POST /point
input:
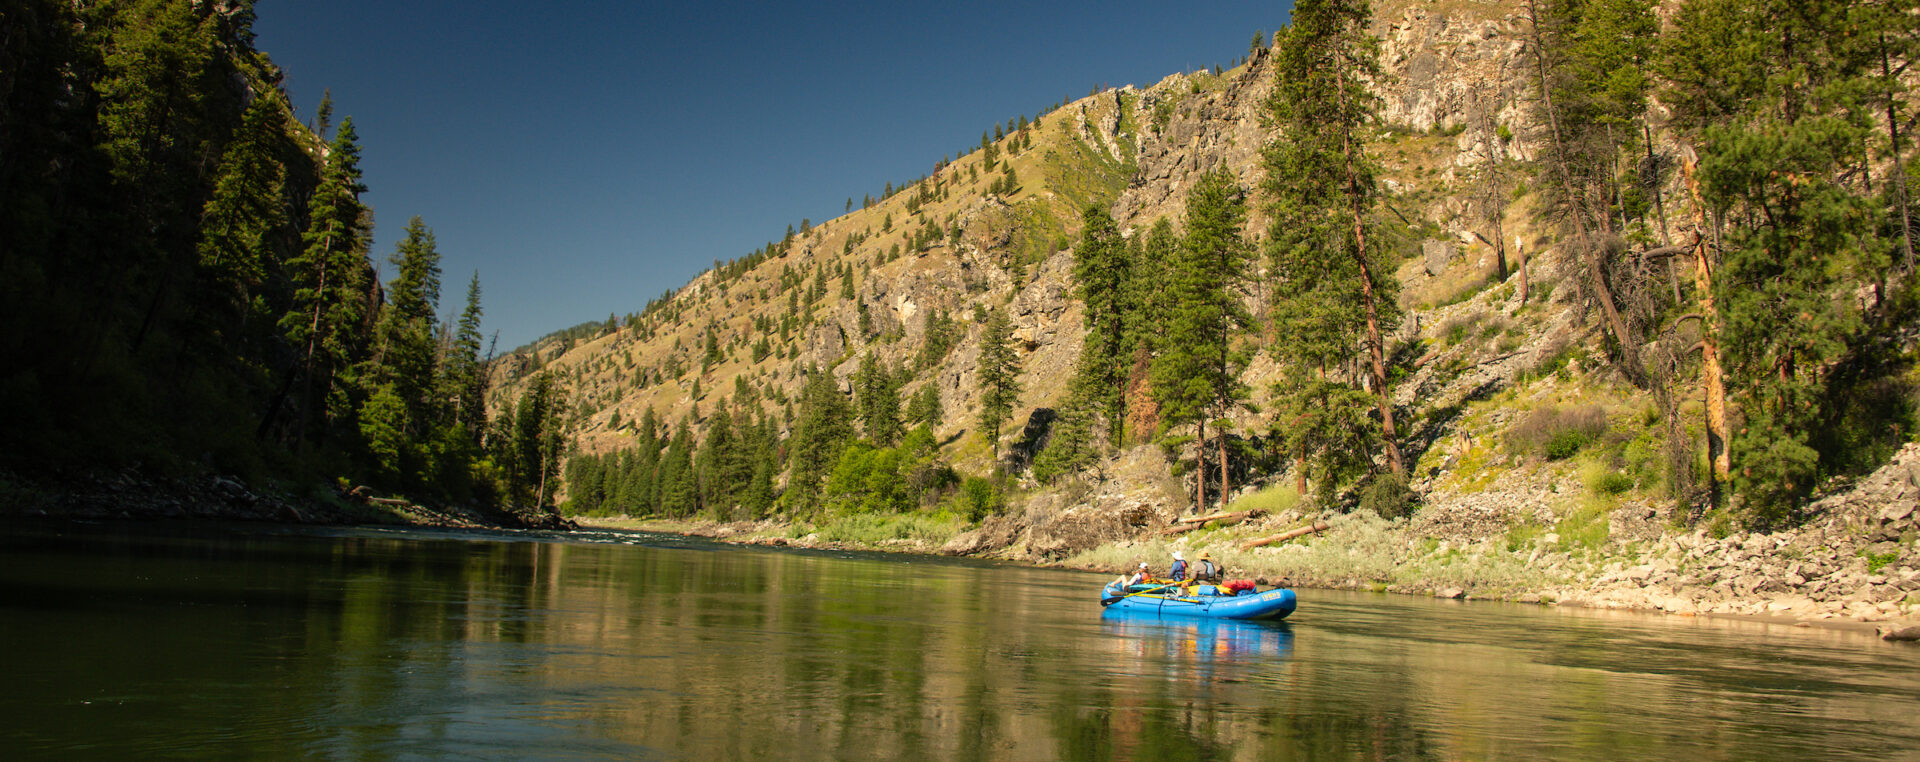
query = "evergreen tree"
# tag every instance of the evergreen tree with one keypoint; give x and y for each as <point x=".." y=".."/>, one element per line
<point x="1780" y="127"/>
<point x="406" y="359"/>
<point x="1150" y="271"/>
<point x="878" y="394"/>
<point x="1101" y="267"/>
<point x="1323" y="182"/>
<point x="463" y="377"/>
<point x="925" y="409"/>
<point x="415" y="290"/>
<point x="323" y="116"/>
<point x="679" y="494"/>
<point x="330" y="277"/>
<point x="537" y="441"/>
<point x="1582" y="146"/>
<point x="241" y="223"/>
<point x="715" y="462"/>
<point x="821" y="431"/>
<point x="1196" y="378"/>
<point x="998" y="375"/>
<point x="757" y="498"/>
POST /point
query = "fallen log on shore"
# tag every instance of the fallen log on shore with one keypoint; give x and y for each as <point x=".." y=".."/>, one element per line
<point x="1235" y="515"/>
<point x="1186" y="524"/>
<point x="1317" y="526"/>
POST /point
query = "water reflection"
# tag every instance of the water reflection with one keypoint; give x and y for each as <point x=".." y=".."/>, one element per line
<point x="377" y="644"/>
<point x="1196" y="640"/>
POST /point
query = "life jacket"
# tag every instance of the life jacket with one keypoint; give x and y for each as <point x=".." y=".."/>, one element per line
<point x="1179" y="571"/>
<point x="1207" y="571"/>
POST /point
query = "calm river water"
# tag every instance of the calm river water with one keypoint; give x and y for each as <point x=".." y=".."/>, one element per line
<point x="146" y="641"/>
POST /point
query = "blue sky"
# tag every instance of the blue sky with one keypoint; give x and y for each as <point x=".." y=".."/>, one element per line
<point x="585" y="157"/>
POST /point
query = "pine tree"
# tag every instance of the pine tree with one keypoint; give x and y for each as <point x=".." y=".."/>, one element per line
<point x="1150" y="271"/>
<point x="463" y="379"/>
<point x="717" y="484"/>
<point x="878" y="395"/>
<point x="1324" y="184"/>
<point x="925" y="409"/>
<point x="406" y="358"/>
<point x="323" y="116"/>
<point x="821" y="431"/>
<point x="247" y="213"/>
<point x="1101" y="267"/>
<point x="679" y="494"/>
<point x="536" y="443"/>
<point x="330" y="276"/>
<point x="1777" y="126"/>
<point x="998" y="375"/>
<point x="1196" y="378"/>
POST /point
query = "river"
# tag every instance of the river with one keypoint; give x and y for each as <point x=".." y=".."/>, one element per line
<point x="183" y="640"/>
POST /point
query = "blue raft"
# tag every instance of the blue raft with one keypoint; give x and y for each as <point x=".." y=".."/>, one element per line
<point x="1167" y="600"/>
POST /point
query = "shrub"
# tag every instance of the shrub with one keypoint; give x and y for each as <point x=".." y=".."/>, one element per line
<point x="1273" y="498"/>
<point x="1556" y="433"/>
<point x="1387" y="496"/>
<point x="978" y="497"/>
<point x="1604" y="481"/>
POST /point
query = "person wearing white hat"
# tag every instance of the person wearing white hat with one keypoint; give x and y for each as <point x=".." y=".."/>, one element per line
<point x="1140" y="576"/>
<point x="1179" y="570"/>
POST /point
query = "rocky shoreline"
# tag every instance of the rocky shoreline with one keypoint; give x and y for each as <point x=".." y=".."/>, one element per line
<point x="1853" y="562"/>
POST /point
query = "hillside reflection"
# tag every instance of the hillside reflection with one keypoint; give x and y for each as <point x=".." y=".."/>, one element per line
<point x="370" y="644"/>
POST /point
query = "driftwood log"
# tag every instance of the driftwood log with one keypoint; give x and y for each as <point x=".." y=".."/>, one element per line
<point x="1317" y="526"/>
<point x="1186" y="524"/>
<point x="1234" y="515"/>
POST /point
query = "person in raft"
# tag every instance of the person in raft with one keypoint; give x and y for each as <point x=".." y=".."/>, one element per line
<point x="1207" y="571"/>
<point x="1179" y="571"/>
<point x="1140" y="576"/>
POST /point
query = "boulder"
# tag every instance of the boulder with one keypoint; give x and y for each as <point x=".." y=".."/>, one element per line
<point x="1450" y="592"/>
<point x="1903" y="631"/>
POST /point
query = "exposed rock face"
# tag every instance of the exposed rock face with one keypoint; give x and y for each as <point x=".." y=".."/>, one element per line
<point x="1449" y="71"/>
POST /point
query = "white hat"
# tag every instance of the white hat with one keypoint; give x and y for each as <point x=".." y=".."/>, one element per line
<point x="1143" y="564"/>
<point x="1178" y="557"/>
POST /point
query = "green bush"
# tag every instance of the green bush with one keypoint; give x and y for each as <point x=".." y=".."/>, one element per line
<point x="1557" y="433"/>
<point x="1387" y="496"/>
<point x="979" y="498"/>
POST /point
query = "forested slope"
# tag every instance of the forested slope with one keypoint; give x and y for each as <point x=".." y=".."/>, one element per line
<point x="1381" y="261"/>
<point x="186" y="279"/>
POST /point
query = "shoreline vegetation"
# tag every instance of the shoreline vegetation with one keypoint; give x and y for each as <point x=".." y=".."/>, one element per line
<point x="1840" y="568"/>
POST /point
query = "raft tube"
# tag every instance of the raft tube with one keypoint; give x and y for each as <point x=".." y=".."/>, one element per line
<point x="1167" y="601"/>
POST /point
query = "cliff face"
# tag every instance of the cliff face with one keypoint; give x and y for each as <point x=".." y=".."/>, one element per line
<point x="1453" y="79"/>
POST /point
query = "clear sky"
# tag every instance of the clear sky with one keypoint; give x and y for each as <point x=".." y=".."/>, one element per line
<point x="585" y="157"/>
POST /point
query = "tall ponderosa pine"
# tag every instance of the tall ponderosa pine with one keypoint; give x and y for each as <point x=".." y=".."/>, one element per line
<point x="998" y="375"/>
<point x="821" y="431"/>
<point x="1321" y="178"/>
<point x="1587" y="58"/>
<point x="1781" y="107"/>
<point x="1196" y="378"/>
<point x="1102" y="269"/>
<point x="878" y="394"/>
<point x="247" y="216"/>
<point x="406" y="357"/>
<point x="535" y="444"/>
<point x="330" y="278"/>
<point x="463" y="377"/>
